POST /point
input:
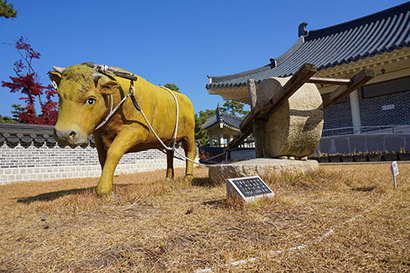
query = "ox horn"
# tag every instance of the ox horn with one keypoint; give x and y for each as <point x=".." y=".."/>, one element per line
<point x="97" y="76"/>
<point x="59" y="69"/>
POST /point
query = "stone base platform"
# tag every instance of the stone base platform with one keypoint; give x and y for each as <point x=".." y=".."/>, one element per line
<point x="261" y="167"/>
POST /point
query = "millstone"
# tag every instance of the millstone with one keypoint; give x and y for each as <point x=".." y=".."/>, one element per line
<point x="296" y="127"/>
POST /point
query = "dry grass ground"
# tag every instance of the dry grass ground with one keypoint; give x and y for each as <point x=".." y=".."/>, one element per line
<point x="152" y="225"/>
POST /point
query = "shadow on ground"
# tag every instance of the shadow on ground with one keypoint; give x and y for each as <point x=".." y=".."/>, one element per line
<point x="202" y="182"/>
<point x="364" y="189"/>
<point x="50" y="196"/>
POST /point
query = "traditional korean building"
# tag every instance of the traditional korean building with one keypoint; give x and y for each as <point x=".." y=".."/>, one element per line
<point x="221" y="127"/>
<point x="379" y="41"/>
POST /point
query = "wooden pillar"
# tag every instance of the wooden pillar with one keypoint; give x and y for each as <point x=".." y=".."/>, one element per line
<point x="355" y="110"/>
<point x="256" y="124"/>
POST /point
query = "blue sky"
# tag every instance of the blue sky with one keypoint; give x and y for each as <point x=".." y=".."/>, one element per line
<point x="177" y="42"/>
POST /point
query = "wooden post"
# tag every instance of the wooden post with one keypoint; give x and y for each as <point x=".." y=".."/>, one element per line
<point x="252" y="92"/>
<point x="256" y="124"/>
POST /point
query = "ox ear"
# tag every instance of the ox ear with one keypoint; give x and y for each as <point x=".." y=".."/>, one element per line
<point x="108" y="87"/>
<point x="55" y="77"/>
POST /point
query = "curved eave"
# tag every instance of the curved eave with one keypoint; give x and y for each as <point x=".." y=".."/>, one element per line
<point x="224" y="125"/>
<point x="223" y="81"/>
<point x="346" y="43"/>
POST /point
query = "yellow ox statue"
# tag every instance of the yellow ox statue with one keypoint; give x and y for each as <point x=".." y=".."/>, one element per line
<point x="87" y="98"/>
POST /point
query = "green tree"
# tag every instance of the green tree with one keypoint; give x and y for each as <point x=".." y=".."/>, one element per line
<point x="16" y="112"/>
<point x="15" y="118"/>
<point x="7" y="10"/>
<point x="200" y="133"/>
<point x="172" y="86"/>
<point x="234" y="107"/>
<point x="7" y="119"/>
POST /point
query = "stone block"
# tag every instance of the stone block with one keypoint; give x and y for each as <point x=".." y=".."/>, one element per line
<point x="261" y="167"/>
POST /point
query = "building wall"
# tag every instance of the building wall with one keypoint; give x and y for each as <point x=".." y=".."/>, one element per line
<point x="46" y="161"/>
<point x="393" y="109"/>
<point x="389" y="109"/>
<point x="338" y="116"/>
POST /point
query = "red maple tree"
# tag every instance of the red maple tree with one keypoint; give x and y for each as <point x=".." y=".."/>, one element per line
<point x="26" y="82"/>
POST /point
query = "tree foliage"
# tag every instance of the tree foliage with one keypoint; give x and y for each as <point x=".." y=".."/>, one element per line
<point x="200" y="133"/>
<point x="7" y="10"/>
<point x="26" y="82"/>
<point x="172" y="86"/>
<point x="234" y="107"/>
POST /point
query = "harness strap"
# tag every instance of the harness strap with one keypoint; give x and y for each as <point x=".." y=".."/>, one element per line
<point x="113" y="110"/>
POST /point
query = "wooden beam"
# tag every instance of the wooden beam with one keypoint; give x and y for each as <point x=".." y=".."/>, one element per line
<point x="252" y="92"/>
<point x="256" y="125"/>
<point x="304" y="73"/>
<point x="329" y="81"/>
<point x="356" y="82"/>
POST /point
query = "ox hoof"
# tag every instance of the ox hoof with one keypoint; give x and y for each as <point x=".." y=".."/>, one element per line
<point x="189" y="177"/>
<point x="103" y="191"/>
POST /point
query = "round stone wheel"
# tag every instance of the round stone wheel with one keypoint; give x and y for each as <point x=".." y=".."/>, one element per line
<point x="295" y="128"/>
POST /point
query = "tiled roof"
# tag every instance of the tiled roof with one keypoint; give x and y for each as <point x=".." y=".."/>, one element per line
<point x="220" y="116"/>
<point x="374" y="34"/>
<point x="14" y="133"/>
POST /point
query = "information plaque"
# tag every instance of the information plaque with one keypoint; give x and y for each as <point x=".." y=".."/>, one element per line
<point x="248" y="188"/>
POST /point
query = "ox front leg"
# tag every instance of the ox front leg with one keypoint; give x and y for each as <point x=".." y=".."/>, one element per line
<point x="170" y="165"/>
<point x="118" y="148"/>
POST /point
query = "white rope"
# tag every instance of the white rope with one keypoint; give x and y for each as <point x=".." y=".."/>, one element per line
<point x="54" y="84"/>
<point x="177" y="117"/>
<point x="107" y="69"/>
<point x="112" y="110"/>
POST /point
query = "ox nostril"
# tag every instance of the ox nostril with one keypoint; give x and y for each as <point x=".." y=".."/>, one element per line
<point x="72" y="134"/>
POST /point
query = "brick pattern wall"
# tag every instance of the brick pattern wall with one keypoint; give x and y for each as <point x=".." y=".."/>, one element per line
<point x="40" y="162"/>
<point x="371" y="112"/>
<point x="338" y="116"/>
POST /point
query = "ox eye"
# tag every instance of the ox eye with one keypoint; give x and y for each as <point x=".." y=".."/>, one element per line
<point x="90" y="101"/>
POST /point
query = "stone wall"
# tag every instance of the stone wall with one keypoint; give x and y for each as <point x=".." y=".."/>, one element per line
<point x="32" y="155"/>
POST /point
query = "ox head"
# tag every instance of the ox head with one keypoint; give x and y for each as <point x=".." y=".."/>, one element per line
<point x="83" y="102"/>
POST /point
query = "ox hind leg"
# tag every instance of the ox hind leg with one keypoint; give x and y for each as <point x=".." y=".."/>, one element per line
<point x="190" y="152"/>
<point x="170" y="165"/>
